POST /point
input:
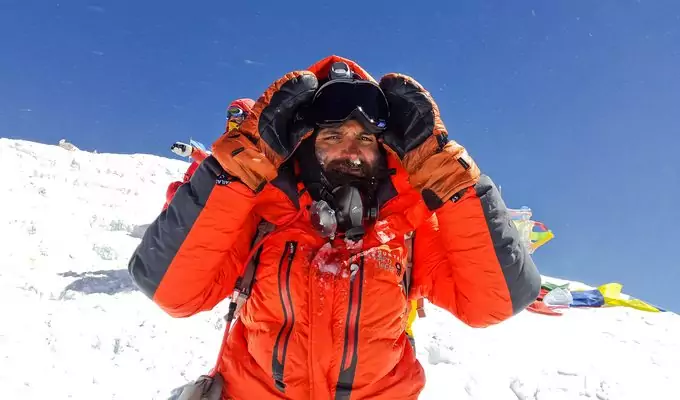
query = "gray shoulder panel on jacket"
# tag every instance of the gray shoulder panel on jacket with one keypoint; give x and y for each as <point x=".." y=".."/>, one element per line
<point x="521" y="275"/>
<point x="164" y="236"/>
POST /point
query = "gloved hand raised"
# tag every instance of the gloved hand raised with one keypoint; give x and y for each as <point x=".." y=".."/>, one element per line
<point x="438" y="167"/>
<point x="182" y="149"/>
<point x="270" y="133"/>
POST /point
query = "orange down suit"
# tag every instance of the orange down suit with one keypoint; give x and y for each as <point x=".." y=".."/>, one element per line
<point x="330" y="328"/>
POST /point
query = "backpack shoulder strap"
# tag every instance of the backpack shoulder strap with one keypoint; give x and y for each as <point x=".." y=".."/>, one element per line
<point x="244" y="284"/>
<point x="243" y="287"/>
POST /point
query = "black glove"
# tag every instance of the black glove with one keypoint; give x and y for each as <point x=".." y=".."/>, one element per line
<point x="270" y="133"/>
<point x="438" y="167"/>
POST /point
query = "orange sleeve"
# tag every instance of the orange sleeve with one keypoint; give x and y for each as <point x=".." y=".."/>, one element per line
<point x="469" y="260"/>
<point x="198" y="155"/>
<point x="191" y="255"/>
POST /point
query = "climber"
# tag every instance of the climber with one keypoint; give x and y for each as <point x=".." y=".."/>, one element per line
<point x="337" y="202"/>
<point x="236" y="113"/>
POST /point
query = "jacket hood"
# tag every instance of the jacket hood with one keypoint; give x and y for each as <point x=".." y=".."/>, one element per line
<point x="273" y="125"/>
<point x="245" y="104"/>
<point x="273" y="130"/>
<point x="322" y="68"/>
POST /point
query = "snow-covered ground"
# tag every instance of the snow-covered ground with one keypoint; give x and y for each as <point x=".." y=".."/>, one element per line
<point x="74" y="327"/>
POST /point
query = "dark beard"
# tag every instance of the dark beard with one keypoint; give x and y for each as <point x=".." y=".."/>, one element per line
<point x="364" y="177"/>
<point x="346" y="167"/>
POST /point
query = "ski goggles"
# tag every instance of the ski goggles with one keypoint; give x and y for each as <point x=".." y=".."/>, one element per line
<point x="340" y="100"/>
<point x="235" y="113"/>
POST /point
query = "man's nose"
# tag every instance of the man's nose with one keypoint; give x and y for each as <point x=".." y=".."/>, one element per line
<point x="352" y="148"/>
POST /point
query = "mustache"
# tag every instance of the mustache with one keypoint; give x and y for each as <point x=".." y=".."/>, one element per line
<point x="360" y="167"/>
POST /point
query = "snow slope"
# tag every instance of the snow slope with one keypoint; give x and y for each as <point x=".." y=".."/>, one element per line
<point x="74" y="326"/>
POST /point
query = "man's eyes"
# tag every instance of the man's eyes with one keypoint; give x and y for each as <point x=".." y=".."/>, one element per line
<point x="366" y="138"/>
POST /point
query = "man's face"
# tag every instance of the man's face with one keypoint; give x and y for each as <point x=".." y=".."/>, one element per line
<point x="234" y="123"/>
<point x="348" y="149"/>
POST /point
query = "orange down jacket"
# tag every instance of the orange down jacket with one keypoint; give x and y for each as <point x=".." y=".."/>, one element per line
<point x="330" y="326"/>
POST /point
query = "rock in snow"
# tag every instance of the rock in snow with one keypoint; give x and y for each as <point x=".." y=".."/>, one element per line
<point x="75" y="327"/>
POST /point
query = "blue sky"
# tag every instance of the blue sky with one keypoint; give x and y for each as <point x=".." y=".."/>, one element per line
<point x="572" y="106"/>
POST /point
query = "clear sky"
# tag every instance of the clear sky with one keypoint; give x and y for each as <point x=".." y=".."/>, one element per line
<point x="572" y="106"/>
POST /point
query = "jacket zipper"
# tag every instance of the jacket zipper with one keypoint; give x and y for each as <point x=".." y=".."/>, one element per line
<point x="350" y="349"/>
<point x="281" y="345"/>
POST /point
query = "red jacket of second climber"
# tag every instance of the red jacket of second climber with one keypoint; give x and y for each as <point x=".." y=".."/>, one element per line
<point x="198" y="155"/>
